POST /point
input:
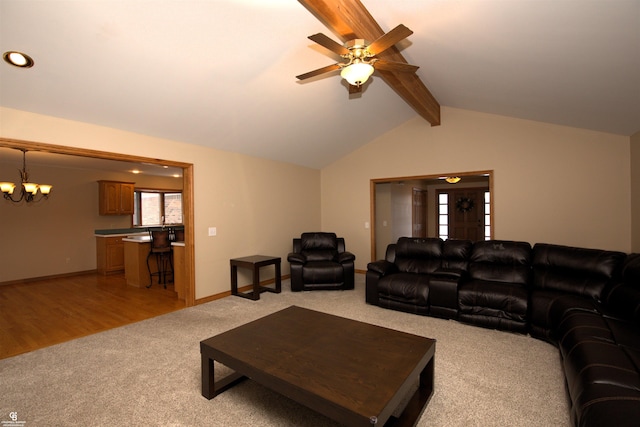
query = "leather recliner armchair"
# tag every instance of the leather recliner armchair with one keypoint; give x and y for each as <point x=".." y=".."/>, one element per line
<point x="320" y="261"/>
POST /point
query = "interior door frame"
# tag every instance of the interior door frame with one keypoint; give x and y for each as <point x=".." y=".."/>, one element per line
<point x="187" y="192"/>
<point x="372" y="197"/>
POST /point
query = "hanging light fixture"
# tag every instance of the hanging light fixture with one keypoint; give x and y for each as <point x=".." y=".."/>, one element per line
<point x="357" y="73"/>
<point x="453" y="179"/>
<point x="28" y="190"/>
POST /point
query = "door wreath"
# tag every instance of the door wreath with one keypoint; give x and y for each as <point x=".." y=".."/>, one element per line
<point x="464" y="204"/>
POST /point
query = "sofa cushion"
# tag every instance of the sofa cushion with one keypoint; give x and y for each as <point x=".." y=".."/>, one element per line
<point x="594" y="361"/>
<point x="501" y="261"/>
<point x="315" y="241"/>
<point x="455" y="254"/>
<point x="418" y="255"/>
<point x="575" y="270"/>
<point x="493" y="299"/>
<point x="623" y="299"/>
<point x="322" y="272"/>
<point x="579" y="326"/>
<point x="625" y="333"/>
<point x="606" y="405"/>
<point x="634" y="355"/>
<point x="320" y="255"/>
<point x="405" y="287"/>
<point x="548" y="307"/>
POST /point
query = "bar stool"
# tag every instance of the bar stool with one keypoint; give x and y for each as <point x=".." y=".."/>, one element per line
<point x="161" y="248"/>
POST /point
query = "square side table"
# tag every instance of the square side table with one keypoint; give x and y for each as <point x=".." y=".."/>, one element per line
<point x="254" y="263"/>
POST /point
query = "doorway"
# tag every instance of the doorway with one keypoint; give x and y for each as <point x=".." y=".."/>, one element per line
<point x="187" y="192"/>
<point x="396" y="210"/>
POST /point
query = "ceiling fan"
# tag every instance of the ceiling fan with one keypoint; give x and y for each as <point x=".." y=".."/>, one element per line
<point x="360" y="56"/>
<point x="350" y="19"/>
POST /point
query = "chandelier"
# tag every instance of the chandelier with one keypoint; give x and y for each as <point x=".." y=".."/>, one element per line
<point x="28" y="190"/>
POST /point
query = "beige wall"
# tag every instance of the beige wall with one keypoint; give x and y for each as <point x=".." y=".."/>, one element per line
<point x="635" y="192"/>
<point x="257" y="205"/>
<point x="552" y="184"/>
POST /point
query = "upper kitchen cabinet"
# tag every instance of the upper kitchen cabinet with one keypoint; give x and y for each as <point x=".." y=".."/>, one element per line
<point x="116" y="198"/>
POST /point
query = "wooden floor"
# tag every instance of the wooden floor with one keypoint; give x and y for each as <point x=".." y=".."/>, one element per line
<point x="39" y="314"/>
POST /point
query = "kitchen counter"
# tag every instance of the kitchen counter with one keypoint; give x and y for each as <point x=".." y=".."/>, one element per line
<point x="142" y="238"/>
<point x="120" y="231"/>
<point x="136" y="251"/>
<point x="132" y="231"/>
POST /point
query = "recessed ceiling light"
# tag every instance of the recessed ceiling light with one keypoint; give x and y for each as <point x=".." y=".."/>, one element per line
<point x="18" y="59"/>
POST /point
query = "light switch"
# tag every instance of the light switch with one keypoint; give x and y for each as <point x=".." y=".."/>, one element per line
<point x="366" y="224"/>
<point x="213" y="231"/>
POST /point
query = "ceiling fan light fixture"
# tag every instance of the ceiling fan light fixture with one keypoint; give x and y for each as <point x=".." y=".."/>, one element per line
<point x="357" y="73"/>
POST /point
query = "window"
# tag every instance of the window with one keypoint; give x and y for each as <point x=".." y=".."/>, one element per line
<point x="443" y="216"/>
<point x="487" y="215"/>
<point x="156" y="207"/>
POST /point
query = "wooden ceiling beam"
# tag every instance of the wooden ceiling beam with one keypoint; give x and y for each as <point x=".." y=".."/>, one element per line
<point x="349" y="20"/>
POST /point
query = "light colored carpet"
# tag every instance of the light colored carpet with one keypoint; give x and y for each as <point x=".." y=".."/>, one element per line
<point x="148" y="373"/>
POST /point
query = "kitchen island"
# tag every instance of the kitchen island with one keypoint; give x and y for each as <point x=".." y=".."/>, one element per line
<point x="136" y="251"/>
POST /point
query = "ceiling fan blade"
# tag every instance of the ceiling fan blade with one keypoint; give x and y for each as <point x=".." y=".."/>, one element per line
<point x="402" y="67"/>
<point x="355" y="89"/>
<point x="330" y="44"/>
<point x="387" y="40"/>
<point x="319" y="71"/>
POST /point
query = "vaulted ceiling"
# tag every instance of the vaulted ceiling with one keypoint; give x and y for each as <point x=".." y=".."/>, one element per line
<point x="221" y="73"/>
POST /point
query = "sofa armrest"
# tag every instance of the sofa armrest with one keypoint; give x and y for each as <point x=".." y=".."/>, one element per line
<point x="296" y="258"/>
<point x="448" y="273"/>
<point x="346" y="257"/>
<point x="382" y="267"/>
<point x="443" y="292"/>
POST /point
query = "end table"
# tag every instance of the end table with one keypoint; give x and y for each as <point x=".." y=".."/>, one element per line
<point x="254" y="263"/>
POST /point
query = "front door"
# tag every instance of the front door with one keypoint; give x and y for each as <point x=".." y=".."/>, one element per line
<point x="466" y="214"/>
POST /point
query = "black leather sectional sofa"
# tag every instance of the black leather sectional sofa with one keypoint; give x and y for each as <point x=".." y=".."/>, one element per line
<point x="584" y="301"/>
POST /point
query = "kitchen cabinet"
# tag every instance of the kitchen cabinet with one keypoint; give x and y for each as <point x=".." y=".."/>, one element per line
<point x="110" y="254"/>
<point x="115" y="198"/>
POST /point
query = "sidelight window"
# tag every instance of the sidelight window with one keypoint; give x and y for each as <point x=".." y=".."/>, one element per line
<point x="487" y="215"/>
<point x="443" y="216"/>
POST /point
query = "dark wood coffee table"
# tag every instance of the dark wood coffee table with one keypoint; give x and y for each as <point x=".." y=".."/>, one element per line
<point x="350" y="371"/>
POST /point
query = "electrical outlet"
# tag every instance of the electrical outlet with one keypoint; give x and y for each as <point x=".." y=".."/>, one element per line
<point x="213" y="231"/>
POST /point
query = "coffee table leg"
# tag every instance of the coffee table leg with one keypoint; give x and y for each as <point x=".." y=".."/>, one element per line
<point x="278" y="281"/>
<point x="234" y="279"/>
<point x="212" y="388"/>
<point x="208" y="388"/>
<point x="256" y="282"/>
<point x="419" y="400"/>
